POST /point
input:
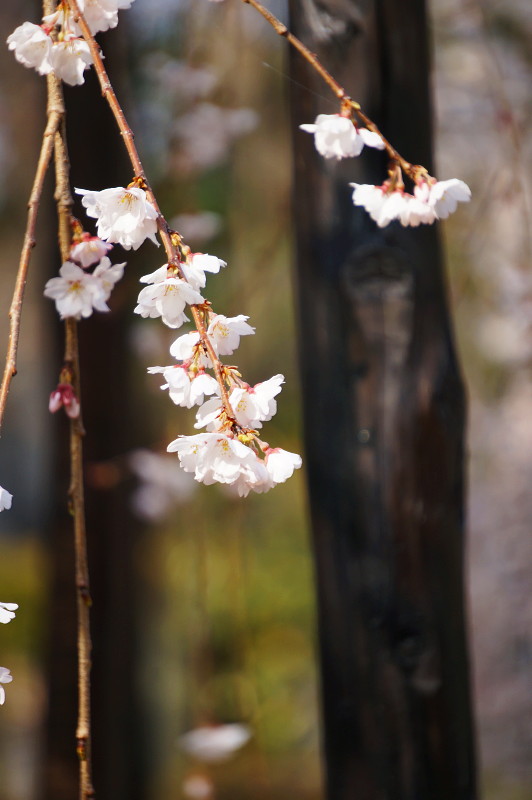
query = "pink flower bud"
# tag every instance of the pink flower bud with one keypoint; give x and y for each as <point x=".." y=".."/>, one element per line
<point x="64" y="395"/>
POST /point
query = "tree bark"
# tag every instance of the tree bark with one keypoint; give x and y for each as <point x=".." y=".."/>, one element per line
<point x="384" y="424"/>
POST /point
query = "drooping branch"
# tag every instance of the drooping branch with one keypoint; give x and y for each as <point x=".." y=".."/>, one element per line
<point x="347" y="103"/>
<point x="171" y="242"/>
<point x="55" y="115"/>
<point x="64" y="202"/>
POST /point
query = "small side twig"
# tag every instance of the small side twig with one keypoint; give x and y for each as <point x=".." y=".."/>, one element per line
<point x="346" y="101"/>
<point x="280" y="28"/>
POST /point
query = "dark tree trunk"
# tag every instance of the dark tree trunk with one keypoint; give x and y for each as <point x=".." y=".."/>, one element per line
<point x="384" y="419"/>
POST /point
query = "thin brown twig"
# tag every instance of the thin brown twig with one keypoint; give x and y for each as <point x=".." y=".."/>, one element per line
<point x="280" y="28"/>
<point x="53" y="122"/>
<point x="64" y="202"/>
<point x="171" y="249"/>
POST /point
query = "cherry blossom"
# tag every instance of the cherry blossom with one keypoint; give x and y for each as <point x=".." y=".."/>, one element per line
<point x="336" y="136"/>
<point x="166" y="297"/>
<point x="384" y="205"/>
<point x="7" y="612"/>
<point x="199" y="263"/>
<point x="101" y="15"/>
<point x="188" y="347"/>
<point x="215" y="743"/>
<point x="105" y="276"/>
<point x="212" y="457"/>
<point x="431" y="200"/>
<point x="253" y="477"/>
<point x="208" y="415"/>
<point x="5" y="677"/>
<point x="124" y="216"/>
<point x="443" y="196"/>
<point x="252" y="405"/>
<point x="225" y="332"/>
<point x="185" y="389"/>
<point x="5" y="499"/>
<point x="89" y="250"/>
<point x="70" y="58"/>
<point x="32" y="47"/>
<point x="76" y="292"/>
<point x="64" y="396"/>
<point x="218" y="457"/>
<point x="73" y="291"/>
<point x="281" y="464"/>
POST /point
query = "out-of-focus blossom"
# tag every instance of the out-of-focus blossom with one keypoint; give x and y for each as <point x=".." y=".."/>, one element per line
<point x="5" y="499"/>
<point x="163" y="484"/>
<point x="7" y="612"/>
<point x="197" y="147"/>
<point x="5" y="677"/>
<point x="215" y="743"/>
<point x="336" y="136"/>
<point x="178" y="77"/>
<point x="124" y="216"/>
<point x="198" y="787"/>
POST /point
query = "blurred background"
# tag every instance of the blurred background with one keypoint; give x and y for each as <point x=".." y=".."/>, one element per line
<point x="211" y="620"/>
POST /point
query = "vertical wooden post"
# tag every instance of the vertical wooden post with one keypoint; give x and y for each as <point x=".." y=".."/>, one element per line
<point x="384" y="419"/>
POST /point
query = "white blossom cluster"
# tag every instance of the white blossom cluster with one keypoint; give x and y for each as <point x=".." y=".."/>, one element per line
<point x="84" y="284"/>
<point x="431" y="200"/>
<point x="7" y="613"/>
<point x="230" y="451"/>
<point x="56" y="44"/>
<point x="86" y="280"/>
<point x="337" y="136"/>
